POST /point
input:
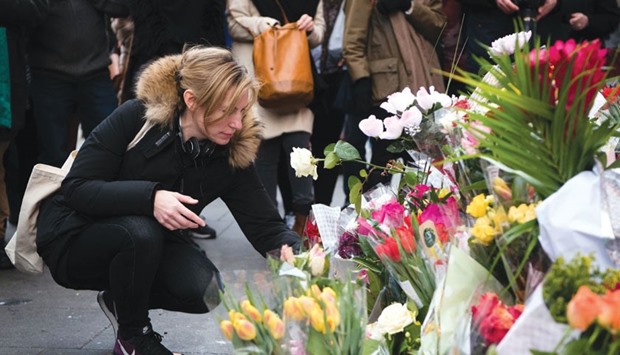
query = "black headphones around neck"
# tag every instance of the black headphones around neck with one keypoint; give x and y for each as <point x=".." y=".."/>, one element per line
<point x="193" y="147"/>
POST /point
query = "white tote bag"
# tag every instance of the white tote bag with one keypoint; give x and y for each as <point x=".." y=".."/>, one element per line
<point x="43" y="182"/>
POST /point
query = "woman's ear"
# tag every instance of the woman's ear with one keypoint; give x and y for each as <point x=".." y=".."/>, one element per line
<point x="190" y="99"/>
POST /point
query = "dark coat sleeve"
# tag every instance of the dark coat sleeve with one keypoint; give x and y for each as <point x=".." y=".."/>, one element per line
<point x="254" y="212"/>
<point x="602" y="19"/>
<point x="26" y="13"/>
<point x="91" y="187"/>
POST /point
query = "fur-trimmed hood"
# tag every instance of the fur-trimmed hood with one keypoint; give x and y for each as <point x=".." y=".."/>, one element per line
<point x="157" y="88"/>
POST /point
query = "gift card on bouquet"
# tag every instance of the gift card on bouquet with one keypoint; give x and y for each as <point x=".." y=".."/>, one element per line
<point x="431" y="244"/>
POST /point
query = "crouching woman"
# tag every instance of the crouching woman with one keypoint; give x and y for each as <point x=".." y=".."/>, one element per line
<point x="120" y="222"/>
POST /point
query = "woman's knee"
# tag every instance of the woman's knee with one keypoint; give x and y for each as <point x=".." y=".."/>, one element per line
<point x="143" y="229"/>
<point x="202" y="295"/>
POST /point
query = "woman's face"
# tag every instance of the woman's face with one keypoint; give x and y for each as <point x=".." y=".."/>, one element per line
<point x="221" y="129"/>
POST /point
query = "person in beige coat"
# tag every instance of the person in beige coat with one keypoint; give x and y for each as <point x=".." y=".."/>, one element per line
<point x="388" y="45"/>
<point x="283" y="129"/>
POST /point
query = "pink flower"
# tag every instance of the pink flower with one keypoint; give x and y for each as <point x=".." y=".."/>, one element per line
<point x="390" y="214"/>
<point x="411" y="117"/>
<point x="371" y="126"/>
<point x="393" y="128"/>
<point x="363" y="227"/>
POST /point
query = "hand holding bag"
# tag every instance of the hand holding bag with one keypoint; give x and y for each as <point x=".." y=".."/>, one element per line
<point x="282" y="66"/>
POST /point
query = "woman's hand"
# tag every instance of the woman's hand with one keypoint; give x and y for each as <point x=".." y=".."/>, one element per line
<point x="170" y="212"/>
<point x="507" y="6"/>
<point x="305" y="23"/>
<point x="578" y="21"/>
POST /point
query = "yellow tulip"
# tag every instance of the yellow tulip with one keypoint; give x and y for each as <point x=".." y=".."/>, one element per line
<point x="333" y="316"/>
<point x="236" y="317"/>
<point x="317" y="319"/>
<point x="313" y="291"/>
<point x="328" y="295"/>
<point x="308" y="305"/>
<point x="226" y="327"/>
<point x="501" y="189"/>
<point x="251" y="311"/>
<point x="275" y="326"/>
<point x="293" y="309"/>
<point x="245" y="329"/>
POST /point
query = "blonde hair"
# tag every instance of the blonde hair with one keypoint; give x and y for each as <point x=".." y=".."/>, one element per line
<point x="210" y="73"/>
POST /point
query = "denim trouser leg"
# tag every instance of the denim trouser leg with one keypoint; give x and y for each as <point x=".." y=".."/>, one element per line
<point x="144" y="266"/>
<point x="55" y="98"/>
<point x="97" y="100"/>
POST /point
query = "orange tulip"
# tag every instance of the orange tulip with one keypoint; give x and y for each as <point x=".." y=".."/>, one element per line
<point x="609" y="316"/>
<point x="245" y="329"/>
<point x="226" y="327"/>
<point x="583" y="309"/>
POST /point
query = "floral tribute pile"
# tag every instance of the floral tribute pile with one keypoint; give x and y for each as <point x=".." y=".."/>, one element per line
<point x="474" y="247"/>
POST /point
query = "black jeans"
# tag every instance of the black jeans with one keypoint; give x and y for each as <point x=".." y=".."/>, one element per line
<point x="145" y="266"/>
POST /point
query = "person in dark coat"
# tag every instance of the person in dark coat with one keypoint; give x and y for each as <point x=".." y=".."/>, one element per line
<point x="17" y="18"/>
<point x="120" y="221"/>
<point x="163" y="27"/>
<point x="590" y="19"/>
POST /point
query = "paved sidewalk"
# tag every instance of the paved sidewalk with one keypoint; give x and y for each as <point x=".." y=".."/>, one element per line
<point x="39" y="317"/>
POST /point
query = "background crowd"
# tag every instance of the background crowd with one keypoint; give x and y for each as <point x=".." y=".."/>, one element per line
<point x="66" y="65"/>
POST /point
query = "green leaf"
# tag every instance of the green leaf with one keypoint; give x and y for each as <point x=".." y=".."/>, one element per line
<point x="355" y="192"/>
<point x="328" y="149"/>
<point x="396" y="147"/>
<point x="346" y="151"/>
<point x="331" y="160"/>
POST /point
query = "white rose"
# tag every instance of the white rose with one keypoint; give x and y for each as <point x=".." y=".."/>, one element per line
<point x="304" y="163"/>
<point x="394" y="318"/>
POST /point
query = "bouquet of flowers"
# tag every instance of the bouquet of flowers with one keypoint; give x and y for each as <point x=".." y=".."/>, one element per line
<point x="252" y="327"/>
<point x="534" y="113"/>
<point x="491" y="321"/>
<point x="388" y="229"/>
<point x="587" y="299"/>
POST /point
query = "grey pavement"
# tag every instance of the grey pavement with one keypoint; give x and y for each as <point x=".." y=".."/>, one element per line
<point x="37" y="316"/>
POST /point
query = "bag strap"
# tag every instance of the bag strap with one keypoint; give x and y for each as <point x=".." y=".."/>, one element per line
<point x="282" y="10"/>
<point x="141" y="133"/>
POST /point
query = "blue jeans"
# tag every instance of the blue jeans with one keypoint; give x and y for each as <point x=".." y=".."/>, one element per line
<point x="302" y="192"/>
<point x="56" y="97"/>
